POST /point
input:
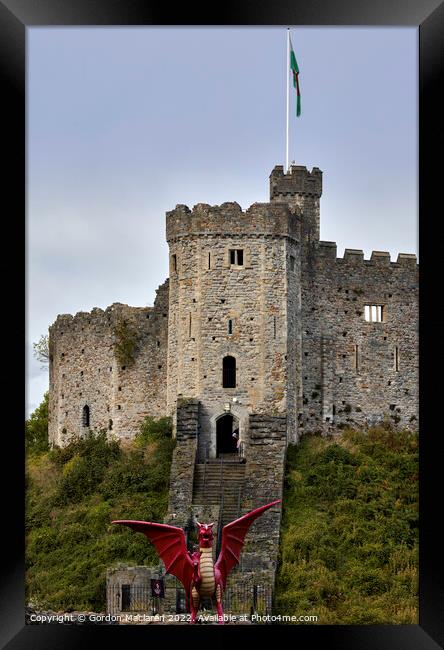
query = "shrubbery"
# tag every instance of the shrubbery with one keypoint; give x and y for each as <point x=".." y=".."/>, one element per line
<point x="73" y="494"/>
<point x="36" y="429"/>
<point x="350" y="529"/>
<point x="350" y="520"/>
<point x="125" y="342"/>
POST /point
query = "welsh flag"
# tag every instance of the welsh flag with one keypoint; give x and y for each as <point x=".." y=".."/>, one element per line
<point x="295" y="70"/>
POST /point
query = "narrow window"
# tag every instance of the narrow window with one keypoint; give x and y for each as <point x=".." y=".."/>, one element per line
<point x="85" y="416"/>
<point x="356" y="358"/>
<point x="230" y="326"/>
<point x="110" y="425"/>
<point x="292" y="262"/>
<point x="237" y="256"/>
<point x="274" y="326"/>
<point x="189" y="326"/>
<point x="174" y="263"/>
<point x="229" y="372"/>
<point x="209" y="260"/>
<point x="396" y="358"/>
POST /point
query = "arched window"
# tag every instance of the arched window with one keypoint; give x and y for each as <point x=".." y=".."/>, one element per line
<point x="85" y="416"/>
<point x="229" y="372"/>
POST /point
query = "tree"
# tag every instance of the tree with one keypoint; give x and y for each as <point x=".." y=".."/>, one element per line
<point x="36" y="428"/>
<point x="41" y="350"/>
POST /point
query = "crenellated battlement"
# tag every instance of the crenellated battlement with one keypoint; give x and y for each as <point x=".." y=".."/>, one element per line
<point x="229" y="219"/>
<point x="298" y="181"/>
<point x="99" y="316"/>
<point x="354" y="256"/>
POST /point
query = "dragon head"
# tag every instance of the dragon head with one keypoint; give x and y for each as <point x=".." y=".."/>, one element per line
<point x="205" y="535"/>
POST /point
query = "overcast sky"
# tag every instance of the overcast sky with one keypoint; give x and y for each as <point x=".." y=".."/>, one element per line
<point x="124" y="123"/>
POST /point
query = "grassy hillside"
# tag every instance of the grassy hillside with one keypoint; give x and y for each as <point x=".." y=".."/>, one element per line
<point x="349" y="548"/>
<point x="72" y="496"/>
<point x="350" y="521"/>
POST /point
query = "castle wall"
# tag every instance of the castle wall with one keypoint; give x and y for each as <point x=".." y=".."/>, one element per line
<point x="353" y="371"/>
<point x="207" y="291"/>
<point x="84" y="370"/>
<point x="264" y="483"/>
<point x="183" y="462"/>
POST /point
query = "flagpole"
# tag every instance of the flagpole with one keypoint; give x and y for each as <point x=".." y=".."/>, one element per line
<point x="288" y="100"/>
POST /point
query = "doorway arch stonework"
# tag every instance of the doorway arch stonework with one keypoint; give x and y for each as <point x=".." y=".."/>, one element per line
<point x="239" y="414"/>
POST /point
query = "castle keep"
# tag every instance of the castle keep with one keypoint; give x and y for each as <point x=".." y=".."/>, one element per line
<point x="260" y="329"/>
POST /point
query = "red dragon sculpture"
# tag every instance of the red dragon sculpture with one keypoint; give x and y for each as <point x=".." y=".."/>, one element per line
<point x="197" y="571"/>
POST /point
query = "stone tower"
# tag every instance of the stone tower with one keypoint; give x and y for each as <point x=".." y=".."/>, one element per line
<point x="300" y="188"/>
<point x="234" y="315"/>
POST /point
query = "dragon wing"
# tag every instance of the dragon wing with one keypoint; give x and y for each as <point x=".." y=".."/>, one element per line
<point x="170" y="544"/>
<point x="233" y="537"/>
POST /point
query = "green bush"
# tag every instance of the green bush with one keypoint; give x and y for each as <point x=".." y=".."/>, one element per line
<point x="349" y="539"/>
<point x="84" y="463"/>
<point x="72" y="496"/>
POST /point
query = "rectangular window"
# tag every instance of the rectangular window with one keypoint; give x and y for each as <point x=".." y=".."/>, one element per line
<point x="230" y="326"/>
<point x="374" y="313"/>
<point x="189" y="325"/>
<point x="236" y="256"/>
<point x="356" y="358"/>
<point x="126" y="598"/>
<point x="292" y="262"/>
<point x="209" y="260"/>
<point x="174" y="263"/>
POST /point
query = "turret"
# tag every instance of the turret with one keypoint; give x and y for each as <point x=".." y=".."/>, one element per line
<point x="303" y="189"/>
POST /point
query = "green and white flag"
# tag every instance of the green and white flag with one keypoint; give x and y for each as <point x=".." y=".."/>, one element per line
<point x="295" y="70"/>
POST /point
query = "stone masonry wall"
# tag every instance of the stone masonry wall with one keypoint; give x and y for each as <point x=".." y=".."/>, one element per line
<point x="184" y="457"/>
<point x="209" y="295"/>
<point x="84" y="370"/>
<point x="349" y="367"/>
<point x="266" y="453"/>
<point x="138" y="578"/>
<point x="300" y="189"/>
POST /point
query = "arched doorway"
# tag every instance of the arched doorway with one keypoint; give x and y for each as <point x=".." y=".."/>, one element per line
<point x="226" y="425"/>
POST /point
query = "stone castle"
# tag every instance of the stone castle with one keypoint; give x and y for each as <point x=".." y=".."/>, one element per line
<point x="260" y="329"/>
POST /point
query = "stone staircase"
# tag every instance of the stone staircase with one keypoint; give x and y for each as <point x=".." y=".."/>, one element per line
<point x="216" y="479"/>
